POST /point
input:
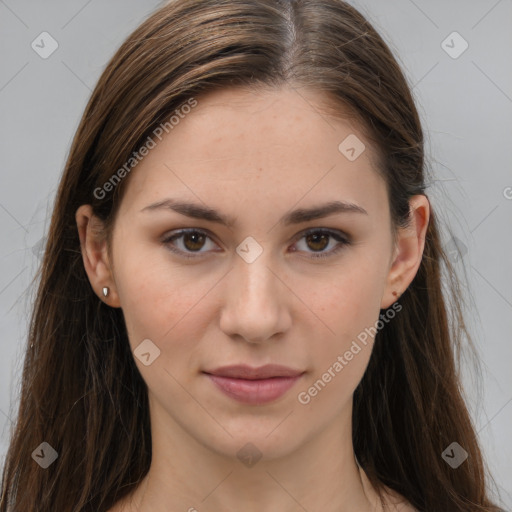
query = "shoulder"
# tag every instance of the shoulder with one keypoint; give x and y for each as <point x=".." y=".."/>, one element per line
<point x="118" y="507"/>
<point x="393" y="501"/>
<point x="397" y="503"/>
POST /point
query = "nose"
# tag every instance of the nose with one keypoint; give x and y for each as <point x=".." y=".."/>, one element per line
<point x="256" y="301"/>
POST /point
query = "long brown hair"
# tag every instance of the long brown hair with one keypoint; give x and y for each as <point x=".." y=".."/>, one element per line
<point x="81" y="390"/>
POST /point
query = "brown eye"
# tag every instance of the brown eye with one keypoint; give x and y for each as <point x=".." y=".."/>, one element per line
<point x="194" y="240"/>
<point x="317" y="240"/>
<point x="189" y="242"/>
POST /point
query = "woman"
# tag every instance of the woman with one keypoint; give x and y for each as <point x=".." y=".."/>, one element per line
<point x="241" y="303"/>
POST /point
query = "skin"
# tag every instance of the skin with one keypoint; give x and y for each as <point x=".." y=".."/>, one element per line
<point x="253" y="156"/>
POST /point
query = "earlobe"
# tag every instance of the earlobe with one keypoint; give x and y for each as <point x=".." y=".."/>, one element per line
<point x="93" y="245"/>
<point x="408" y="251"/>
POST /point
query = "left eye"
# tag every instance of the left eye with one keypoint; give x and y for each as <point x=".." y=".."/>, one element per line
<point x="191" y="241"/>
<point x="320" y="239"/>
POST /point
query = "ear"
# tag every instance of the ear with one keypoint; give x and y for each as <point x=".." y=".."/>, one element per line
<point x="408" y="251"/>
<point x="93" y="245"/>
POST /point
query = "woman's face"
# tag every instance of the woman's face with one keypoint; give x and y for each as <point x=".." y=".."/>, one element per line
<point x="260" y="290"/>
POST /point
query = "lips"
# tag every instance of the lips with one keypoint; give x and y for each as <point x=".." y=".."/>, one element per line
<point x="254" y="385"/>
<point x="263" y="372"/>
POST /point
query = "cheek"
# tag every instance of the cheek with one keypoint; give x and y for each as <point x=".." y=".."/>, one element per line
<point x="351" y="300"/>
<point x="158" y="298"/>
<point x="349" y="304"/>
<point x="350" y="308"/>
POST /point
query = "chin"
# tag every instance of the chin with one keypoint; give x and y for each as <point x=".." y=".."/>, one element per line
<point x="249" y="442"/>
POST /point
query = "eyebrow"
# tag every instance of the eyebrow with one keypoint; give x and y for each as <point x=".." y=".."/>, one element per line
<point x="198" y="211"/>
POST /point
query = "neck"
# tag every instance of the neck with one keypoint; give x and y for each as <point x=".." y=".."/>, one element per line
<point x="321" y="474"/>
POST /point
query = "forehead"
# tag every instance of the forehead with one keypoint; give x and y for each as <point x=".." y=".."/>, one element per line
<point x="252" y="145"/>
<point x="242" y="119"/>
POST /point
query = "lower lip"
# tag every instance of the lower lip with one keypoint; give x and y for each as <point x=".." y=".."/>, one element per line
<point x="258" y="391"/>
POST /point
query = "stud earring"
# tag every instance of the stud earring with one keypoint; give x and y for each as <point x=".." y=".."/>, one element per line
<point x="105" y="291"/>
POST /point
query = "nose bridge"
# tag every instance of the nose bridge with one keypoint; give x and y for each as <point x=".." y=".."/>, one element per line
<point x="256" y="285"/>
<point x="254" y="306"/>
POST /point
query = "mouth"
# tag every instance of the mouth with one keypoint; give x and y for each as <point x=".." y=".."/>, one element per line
<point x="254" y="385"/>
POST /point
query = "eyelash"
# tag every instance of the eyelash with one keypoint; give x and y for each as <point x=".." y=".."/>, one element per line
<point x="343" y="241"/>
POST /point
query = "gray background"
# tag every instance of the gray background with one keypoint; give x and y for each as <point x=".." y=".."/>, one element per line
<point x="465" y="104"/>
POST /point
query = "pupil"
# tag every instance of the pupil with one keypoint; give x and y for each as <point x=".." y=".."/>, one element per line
<point x="195" y="243"/>
<point x="315" y="238"/>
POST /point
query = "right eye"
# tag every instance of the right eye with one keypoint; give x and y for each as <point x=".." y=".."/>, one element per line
<point x="190" y="241"/>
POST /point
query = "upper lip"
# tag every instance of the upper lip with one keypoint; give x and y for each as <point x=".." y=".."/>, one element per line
<point x="242" y="371"/>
